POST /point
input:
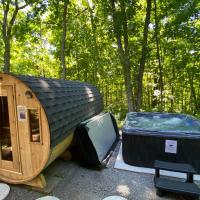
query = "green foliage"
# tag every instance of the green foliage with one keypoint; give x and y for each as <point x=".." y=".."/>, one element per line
<point x="91" y="49"/>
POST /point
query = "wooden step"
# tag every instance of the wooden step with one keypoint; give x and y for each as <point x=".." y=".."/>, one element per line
<point x="177" y="167"/>
<point x="177" y="186"/>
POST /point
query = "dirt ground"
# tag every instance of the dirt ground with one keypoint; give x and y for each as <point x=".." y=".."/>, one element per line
<point x="74" y="182"/>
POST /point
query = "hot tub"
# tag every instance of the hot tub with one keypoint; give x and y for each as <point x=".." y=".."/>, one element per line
<point x="161" y="136"/>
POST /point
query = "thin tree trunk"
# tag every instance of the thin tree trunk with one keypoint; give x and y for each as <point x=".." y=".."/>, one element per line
<point x="95" y="49"/>
<point x="158" y="56"/>
<point x="172" y="89"/>
<point x="123" y="53"/>
<point x="121" y="93"/>
<point x="154" y="103"/>
<point x="143" y="57"/>
<point x="185" y="102"/>
<point x="63" y="43"/>
<point x="102" y="88"/>
<point x="148" y="93"/>
<point x="6" y="38"/>
<point x="85" y="74"/>
<point x="182" y="100"/>
<point x="193" y="104"/>
<point x="106" y="95"/>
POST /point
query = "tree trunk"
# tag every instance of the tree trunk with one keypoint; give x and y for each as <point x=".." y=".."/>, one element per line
<point x="127" y="70"/>
<point x="123" y="53"/>
<point x="154" y="98"/>
<point x="143" y="57"/>
<point x="95" y="46"/>
<point x="106" y="95"/>
<point x="6" y="38"/>
<point x="160" y="80"/>
<point x="63" y="43"/>
<point x="6" y="68"/>
<point x="193" y="102"/>
<point x="172" y="89"/>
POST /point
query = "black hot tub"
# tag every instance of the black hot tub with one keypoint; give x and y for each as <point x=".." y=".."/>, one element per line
<point x="161" y="136"/>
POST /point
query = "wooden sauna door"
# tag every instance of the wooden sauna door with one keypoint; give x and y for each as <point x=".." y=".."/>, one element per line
<point x="9" y="152"/>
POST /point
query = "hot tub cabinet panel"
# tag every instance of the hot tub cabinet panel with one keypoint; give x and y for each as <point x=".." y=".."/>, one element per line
<point x="37" y="120"/>
<point x="143" y="145"/>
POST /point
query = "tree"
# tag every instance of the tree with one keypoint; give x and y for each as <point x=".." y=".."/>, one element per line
<point x="123" y="48"/>
<point x="158" y="55"/>
<point x="108" y="44"/>
<point x="10" y="8"/>
<point x="143" y="57"/>
<point x="63" y="43"/>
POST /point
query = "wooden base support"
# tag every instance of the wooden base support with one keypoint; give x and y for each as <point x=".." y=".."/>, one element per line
<point x="38" y="182"/>
<point x="66" y="155"/>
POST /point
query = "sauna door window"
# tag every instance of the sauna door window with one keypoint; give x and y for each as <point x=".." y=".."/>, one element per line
<point x="5" y="137"/>
<point x="9" y="154"/>
<point x="34" y="125"/>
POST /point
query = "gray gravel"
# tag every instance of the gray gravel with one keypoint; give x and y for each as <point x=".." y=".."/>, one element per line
<point x="79" y="183"/>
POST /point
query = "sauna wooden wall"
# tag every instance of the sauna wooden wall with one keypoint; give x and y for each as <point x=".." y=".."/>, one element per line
<point x="29" y="158"/>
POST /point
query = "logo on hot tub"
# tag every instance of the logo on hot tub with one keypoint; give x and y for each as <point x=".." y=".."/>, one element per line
<point x="170" y="146"/>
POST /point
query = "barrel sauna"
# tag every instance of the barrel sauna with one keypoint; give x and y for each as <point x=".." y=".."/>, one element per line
<point x="37" y="119"/>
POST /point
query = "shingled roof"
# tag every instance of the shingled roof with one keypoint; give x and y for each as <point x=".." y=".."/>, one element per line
<point x="66" y="103"/>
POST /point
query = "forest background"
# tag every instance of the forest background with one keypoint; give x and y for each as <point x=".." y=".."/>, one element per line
<point x="143" y="55"/>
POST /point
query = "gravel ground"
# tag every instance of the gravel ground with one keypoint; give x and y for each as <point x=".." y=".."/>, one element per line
<point x="79" y="183"/>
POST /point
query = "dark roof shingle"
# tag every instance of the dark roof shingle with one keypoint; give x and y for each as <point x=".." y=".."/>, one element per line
<point x="66" y="103"/>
